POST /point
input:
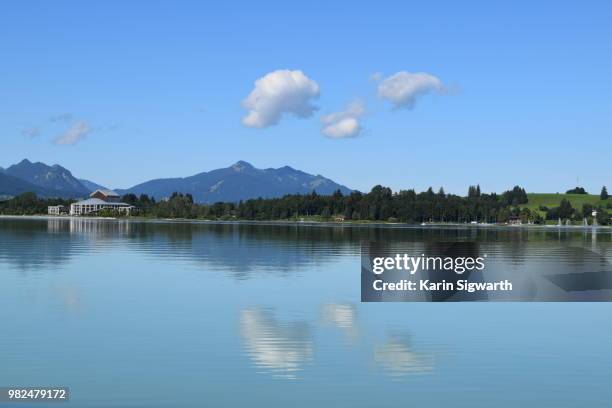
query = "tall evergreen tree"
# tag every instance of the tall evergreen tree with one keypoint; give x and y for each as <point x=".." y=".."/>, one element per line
<point x="604" y="193"/>
<point x="474" y="191"/>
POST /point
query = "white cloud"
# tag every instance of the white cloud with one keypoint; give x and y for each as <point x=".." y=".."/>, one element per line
<point x="62" y="117"/>
<point x="74" y="134"/>
<point x="344" y="124"/>
<point x="377" y="76"/>
<point x="31" y="132"/>
<point x="403" y="88"/>
<point x="278" y="93"/>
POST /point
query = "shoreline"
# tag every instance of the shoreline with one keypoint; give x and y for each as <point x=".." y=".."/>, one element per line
<point x="351" y="224"/>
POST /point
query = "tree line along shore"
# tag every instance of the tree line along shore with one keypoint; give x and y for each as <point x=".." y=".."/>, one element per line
<point x="379" y="205"/>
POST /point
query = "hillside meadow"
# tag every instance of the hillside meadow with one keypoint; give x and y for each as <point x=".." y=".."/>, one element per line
<point x="554" y="199"/>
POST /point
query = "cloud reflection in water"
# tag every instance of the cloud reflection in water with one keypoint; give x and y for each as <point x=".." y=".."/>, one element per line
<point x="282" y="348"/>
<point x="342" y="316"/>
<point x="398" y="357"/>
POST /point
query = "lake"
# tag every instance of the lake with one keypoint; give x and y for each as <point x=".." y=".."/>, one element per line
<point x="171" y="314"/>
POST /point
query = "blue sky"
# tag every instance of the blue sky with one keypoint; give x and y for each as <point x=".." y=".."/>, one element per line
<point x="157" y="88"/>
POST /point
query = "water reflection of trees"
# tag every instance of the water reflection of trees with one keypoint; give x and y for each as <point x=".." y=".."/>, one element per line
<point x="30" y="245"/>
<point x="241" y="248"/>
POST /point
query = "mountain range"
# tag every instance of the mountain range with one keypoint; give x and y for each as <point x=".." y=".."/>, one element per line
<point x="11" y="186"/>
<point x="91" y="186"/>
<point x="42" y="179"/>
<point x="240" y="181"/>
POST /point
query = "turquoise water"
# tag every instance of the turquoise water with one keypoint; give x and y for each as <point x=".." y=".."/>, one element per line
<point x="133" y="314"/>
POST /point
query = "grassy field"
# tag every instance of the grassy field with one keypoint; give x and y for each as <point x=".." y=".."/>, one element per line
<point x="553" y="200"/>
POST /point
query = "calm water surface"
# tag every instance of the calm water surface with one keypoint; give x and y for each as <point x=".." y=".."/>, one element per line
<point x="140" y="314"/>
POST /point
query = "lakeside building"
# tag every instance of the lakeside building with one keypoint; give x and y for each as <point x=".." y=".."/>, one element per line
<point x="515" y="220"/>
<point x="57" y="210"/>
<point x="98" y="200"/>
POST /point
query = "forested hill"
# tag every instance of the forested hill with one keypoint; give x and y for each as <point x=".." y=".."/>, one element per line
<point x="380" y="204"/>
